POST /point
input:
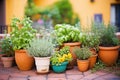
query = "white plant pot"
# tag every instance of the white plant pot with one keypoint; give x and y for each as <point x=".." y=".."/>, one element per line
<point x="42" y="64"/>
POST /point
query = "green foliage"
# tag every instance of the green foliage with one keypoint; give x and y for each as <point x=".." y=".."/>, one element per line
<point x="31" y="9"/>
<point x="98" y="66"/>
<point x="61" y="56"/>
<point x="67" y="33"/>
<point x="66" y="12"/>
<point x="108" y="37"/>
<point x="64" y="50"/>
<point x="90" y="40"/>
<point x="59" y="12"/>
<point x="21" y="37"/>
<point x="7" y="47"/>
<point x="41" y="47"/>
<point x="82" y="53"/>
<point x="50" y="12"/>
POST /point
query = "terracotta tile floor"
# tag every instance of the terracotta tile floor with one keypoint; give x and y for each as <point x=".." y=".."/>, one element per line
<point x="15" y="74"/>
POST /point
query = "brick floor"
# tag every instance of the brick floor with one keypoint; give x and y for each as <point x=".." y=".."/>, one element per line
<point x="14" y="73"/>
<point x="4" y="77"/>
<point x="74" y="77"/>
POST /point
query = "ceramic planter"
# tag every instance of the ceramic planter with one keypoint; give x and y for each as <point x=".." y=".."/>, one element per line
<point x="7" y="61"/>
<point x="72" y="46"/>
<point x="23" y="60"/>
<point x="83" y="65"/>
<point x="42" y="64"/>
<point x="108" y="55"/>
<point x="60" y="68"/>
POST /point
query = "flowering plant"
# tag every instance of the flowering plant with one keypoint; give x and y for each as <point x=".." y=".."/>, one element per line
<point x="61" y="56"/>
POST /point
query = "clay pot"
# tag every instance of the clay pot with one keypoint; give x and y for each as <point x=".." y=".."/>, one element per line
<point x="7" y="61"/>
<point x="72" y="46"/>
<point x="1" y="56"/>
<point x="83" y="65"/>
<point x="108" y="55"/>
<point x="93" y="51"/>
<point x="92" y="60"/>
<point x="23" y="60"/>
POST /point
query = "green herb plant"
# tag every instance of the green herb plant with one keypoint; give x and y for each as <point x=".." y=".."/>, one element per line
<point x="67" y="33"/>
<point x="22" y="33"/>
<point x="108" y="37"/>
<point x="98" y="66"/>
<point x="82" y="53"/>
<point x="41" y="47"/>
<point x="90" y="40"/>
<point x="7" y="47"/>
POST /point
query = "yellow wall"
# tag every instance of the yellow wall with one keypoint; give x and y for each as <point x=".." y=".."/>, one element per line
<point x="43" y="3"/>
<point x="14" y="8"/>
<point x="86" y="9"/>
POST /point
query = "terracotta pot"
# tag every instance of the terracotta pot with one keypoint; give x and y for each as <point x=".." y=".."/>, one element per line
<point x="92" y="60"/>
<point x="93" y="51"/>
<point x="83" y="65"/>
<point x="108" y="55"/>
<point x="72" y="46"/>
<point x="1" y="56"/>
<point x="7" y="61"/>
<point x="118" y="36"/>
<point x="23" y="60"/>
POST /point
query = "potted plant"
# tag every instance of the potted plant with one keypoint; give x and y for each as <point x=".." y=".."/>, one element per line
<point x="60" y="59"/>
<point x="7" y="50"/>
<point x="21" y="35"/>
<point x="91" y="39"/>
<point x="68" y="35"/>
<point x="109" y="45"/>
<point x="41" y="50"/>
<point x="83" y="54"/>
<point x="92" y="42"/>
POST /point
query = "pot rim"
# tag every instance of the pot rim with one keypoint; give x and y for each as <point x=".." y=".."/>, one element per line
<point x="20" y="51"/>
<point x="42" y="57"/>
<point x="72" y="44"/>
<point x="109" y="48"/>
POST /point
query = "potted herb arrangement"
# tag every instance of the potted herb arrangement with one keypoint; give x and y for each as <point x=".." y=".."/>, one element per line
<point x="109" y="45"/>
<point x="60" y="59"/>
<point x="7" y="50"/>
<point x="83" y="54"/>
<point x="41" y="49"/>
<point x="21" y="35"/>
<point x="68" y="35"/>
<point x="91" y="39"/>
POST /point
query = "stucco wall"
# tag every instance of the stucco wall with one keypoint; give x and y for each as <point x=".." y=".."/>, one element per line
<point x="14" y="8"/>
<point x="84" y="8"/>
